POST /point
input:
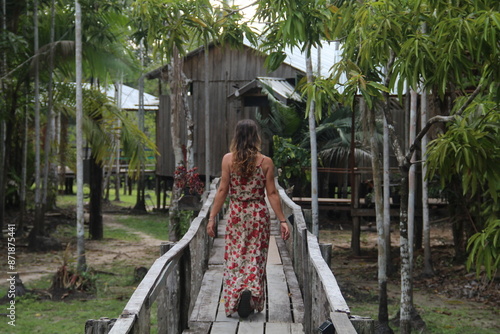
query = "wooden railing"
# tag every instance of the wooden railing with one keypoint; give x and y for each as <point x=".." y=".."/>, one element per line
<point x="173" y="281"/>
<point x="323" y="301"/>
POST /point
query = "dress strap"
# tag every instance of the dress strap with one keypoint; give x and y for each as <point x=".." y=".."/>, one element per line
<point x="260" y="165"/>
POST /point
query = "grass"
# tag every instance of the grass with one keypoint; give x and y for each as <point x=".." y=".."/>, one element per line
<point x="126" y="201"/>
<point x="155" y="225"/>
<point x="35" y="315"/>
<point x="439" y="320"/>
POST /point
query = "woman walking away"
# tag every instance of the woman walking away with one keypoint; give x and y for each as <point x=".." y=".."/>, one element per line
<point x="246" y="176"/>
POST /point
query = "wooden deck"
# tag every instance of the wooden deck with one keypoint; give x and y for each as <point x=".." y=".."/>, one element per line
<point x="183" y="286"/>
<point x="284" y="312"/>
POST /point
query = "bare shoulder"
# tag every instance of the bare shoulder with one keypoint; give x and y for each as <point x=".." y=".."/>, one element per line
<point x="267" y="163"/>
<point x="226" y="161"/>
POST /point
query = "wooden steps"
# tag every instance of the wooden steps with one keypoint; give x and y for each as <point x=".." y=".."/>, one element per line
<point x="284" y="311"/>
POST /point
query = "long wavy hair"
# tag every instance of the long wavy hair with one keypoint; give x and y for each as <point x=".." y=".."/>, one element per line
<point x="245" y="146"/>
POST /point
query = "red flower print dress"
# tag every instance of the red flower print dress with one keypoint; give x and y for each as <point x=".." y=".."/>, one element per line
<point x="247" y="241"/>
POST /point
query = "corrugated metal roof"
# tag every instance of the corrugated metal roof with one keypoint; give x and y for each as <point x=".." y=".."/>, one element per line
<point x="281" y="87"/>
<point x="330" y="53"/>
<point x="130" y="97"/>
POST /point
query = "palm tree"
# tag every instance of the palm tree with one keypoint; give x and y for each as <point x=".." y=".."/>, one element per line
<point x="81" y="262"/>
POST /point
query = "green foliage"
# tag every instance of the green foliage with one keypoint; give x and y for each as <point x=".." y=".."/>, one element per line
<point x="283" y="120"/>
<point x="484" y="248"/>
<point x="290" y="159"/>
<point x="470" y="149"/>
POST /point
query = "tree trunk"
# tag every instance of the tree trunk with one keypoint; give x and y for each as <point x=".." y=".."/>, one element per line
<point x="412" y="184"/>
<point x="141" y="196"/>
<point x="24" y="171"/>
<point x="175" y="78"/>
<point x="189" y="124"/>
<point x="38" y="223"/>
<point x="63" y="144"/>
<point x="118" y="99"/>
<point x="80" y="231"/>
<point x="207" y="122"/>
<point x="95" y="210"/>
<point x="406" y="279"/>
<point x="48" y="197"/>
<point x="387" y="199"/>
<point x="314" y="151"/>
<point x="383" y="313"/>
<point x="356" y="228"/>
<point x="428" y="268"/>
<point x="3" y="71"/>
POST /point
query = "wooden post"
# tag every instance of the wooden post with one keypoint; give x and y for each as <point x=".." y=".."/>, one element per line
<point x="356" y="228"/>
<point x="363" y="325"/>
<point x="326" y="252"/>
<point x="306" y="283"/>
<point x="163" y="314"/>
<point x="101" y="326"/>
<point x="308" y="218"/>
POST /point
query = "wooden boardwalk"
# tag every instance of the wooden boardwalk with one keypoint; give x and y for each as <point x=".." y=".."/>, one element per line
<point x="284" y="311"/>
<point x="184" y="285"/>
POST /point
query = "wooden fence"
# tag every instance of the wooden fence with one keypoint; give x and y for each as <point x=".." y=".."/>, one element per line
<point x="174" y="281"/>
<point x="323" y="301"/>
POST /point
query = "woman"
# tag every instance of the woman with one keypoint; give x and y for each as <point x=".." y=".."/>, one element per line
<point x="246" y="175"/>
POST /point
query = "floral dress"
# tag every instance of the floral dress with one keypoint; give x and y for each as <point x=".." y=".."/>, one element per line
<point x="247" y="241"/>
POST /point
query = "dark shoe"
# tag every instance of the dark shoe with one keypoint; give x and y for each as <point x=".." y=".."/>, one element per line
<point x="245" y="306"/>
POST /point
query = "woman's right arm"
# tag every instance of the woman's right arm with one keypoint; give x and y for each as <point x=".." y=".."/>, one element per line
<point x="221" y="194"/>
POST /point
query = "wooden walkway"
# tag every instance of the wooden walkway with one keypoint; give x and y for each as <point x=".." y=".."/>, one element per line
<point x="183" y="287"/>
<point x="284" y="311"/>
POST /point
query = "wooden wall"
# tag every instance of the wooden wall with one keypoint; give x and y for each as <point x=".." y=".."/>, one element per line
<point x="228" y="68"/>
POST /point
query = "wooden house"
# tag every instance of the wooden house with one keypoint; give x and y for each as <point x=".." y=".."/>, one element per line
<point x="236" y="78"/>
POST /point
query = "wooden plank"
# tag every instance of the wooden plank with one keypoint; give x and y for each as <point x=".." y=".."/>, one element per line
<point x="273" y="256"/>
<point x="198" y="328"/>
<point x="342" y="323"/>
<point x="224" y="327"/>
<point x="277" y="328"/>
<point x="217" y="252"/>
<point x="296" y="328"/>
<point x="277" y="293"/>
<point x="257" y="316"/>
<point x="293" y="284"/>
<point x="284" y="328"/>
<point x="251" y="327"/>
<point x="221" y="314"/>
<point x="205" y="308"/>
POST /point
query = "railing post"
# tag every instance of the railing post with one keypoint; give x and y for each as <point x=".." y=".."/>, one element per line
<point x="306" y="283"/>
<point x="101" y="326"/>
<point x="167" y="318"/>
<point x="326" y="252"/>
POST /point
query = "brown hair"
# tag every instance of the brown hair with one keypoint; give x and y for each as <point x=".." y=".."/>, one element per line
<point x="245" y="146"/>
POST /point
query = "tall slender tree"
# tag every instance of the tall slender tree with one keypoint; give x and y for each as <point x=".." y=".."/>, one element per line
<point x="38" y="223"/>
<point x="80" y="233"/>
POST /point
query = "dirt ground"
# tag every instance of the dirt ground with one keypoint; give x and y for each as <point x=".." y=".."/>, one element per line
<point x="34" y="265"/>
<point x="451" y="288"/>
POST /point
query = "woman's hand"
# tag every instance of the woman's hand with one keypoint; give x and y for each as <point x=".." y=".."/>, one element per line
<point x="211" y="228"/>
<point x="285" y="231"/>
